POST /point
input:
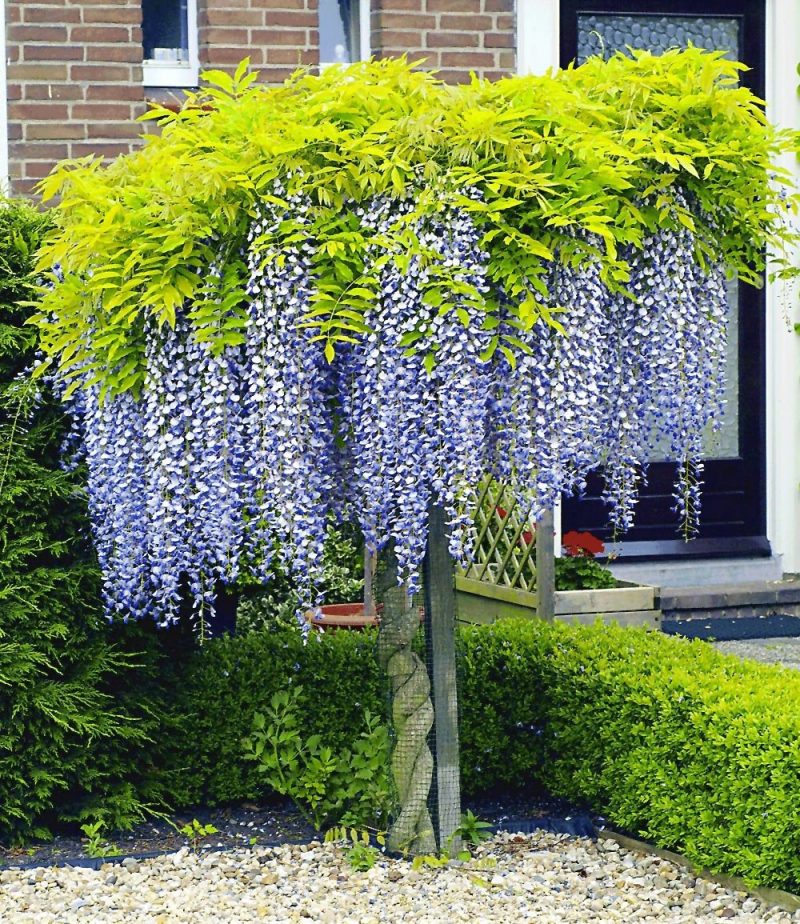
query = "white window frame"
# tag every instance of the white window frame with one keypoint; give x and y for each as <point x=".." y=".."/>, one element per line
<point x="364" y="35"/>
<point x="175" y="73"/>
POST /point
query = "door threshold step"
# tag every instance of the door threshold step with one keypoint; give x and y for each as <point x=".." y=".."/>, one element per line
<point x="773" y="596"/>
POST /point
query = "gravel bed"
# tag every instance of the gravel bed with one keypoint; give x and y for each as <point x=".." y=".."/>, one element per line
<point x="783" y="651"/>
<point x="546" y="878"/>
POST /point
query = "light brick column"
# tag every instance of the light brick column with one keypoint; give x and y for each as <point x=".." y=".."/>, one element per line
<point x="74" y="82"/>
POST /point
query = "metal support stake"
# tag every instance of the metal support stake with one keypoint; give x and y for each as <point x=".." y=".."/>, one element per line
<point x="440" y="618"/>
<point x="545" y="567"/>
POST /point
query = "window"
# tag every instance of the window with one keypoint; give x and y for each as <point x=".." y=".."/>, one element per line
<point x="169" y="36"/>
<point x="343" y="31"/>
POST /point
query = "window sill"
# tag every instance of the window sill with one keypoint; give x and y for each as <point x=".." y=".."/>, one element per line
<point x="169" y="74"/>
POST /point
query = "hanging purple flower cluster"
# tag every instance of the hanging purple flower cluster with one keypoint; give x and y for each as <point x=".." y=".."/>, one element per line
<point x="230" y="458"/>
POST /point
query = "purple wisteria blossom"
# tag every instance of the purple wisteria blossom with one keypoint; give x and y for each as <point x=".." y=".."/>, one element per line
<point x="230" y="457"/>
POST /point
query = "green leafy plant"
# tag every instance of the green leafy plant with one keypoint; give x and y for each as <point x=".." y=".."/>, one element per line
<point x="579" y="572"/>
<point x="96" y="844"/>
<point x="362" y="855"/>
<point x="275" y="607"/>
<point x="326" y="786"/>
<point x="472" y="830"/>
<point x="196" y="832"/>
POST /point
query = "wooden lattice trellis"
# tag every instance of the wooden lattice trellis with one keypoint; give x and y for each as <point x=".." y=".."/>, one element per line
<point x="505" y="547"/>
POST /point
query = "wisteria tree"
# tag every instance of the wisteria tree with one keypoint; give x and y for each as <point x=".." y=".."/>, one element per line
<point x="353" y="296"/>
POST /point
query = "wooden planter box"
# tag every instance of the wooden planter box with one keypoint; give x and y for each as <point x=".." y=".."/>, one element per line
<point x="626" y="605"/>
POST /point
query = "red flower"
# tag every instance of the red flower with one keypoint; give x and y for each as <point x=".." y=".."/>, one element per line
<point x="582" y="544"/>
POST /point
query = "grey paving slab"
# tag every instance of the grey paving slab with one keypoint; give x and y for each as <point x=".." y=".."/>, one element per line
<point x="784" y="651"/>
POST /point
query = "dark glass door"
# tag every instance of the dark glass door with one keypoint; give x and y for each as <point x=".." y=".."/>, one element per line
<point x="733" y="518"/>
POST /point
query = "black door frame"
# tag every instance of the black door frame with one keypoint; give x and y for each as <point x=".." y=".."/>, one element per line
<point x="733" y="521"/>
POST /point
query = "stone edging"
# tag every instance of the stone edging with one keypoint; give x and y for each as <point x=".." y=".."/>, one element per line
<point x="775" y="897"/>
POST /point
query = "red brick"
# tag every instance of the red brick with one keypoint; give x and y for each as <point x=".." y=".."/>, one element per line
<point x="24" y="187"/>
<point x="499" y="40"/>
<point x="37" y="33"/>
<point x="49" y="14"/>
<point x="453" y="6"/>
<point x="292" y="57"/>
<point x="41" y="131"/>
<point x="469" y="21"/>
<point x="407" y="21"/>
<point x="395" y="38"/>
<point x="52" y="52"/>
<point x="295" y="38"/>
<point x="507" y="60"/>
<point x="110" y="149"/>
<point x="225" y="36"/>
<point x="35" y="71"/>
<point x="51" y="91"/>
<point x="42" y="111"/>
<point x="109" y="111"/>
<point x="235" y="18"/>
<point x="24" y="150"/>
<point x="275" y="18"/>
<point x="452" y="39"/>
<point x="498" y="6"/>
<point x="107" y="130"/>
<point x="113" y="14"/>
<point x="105" y="34"/>
<point x="283" y="4"/>
<point x="494" y="75"/>
<point x="469" y="59"/>
<point x="128" y="53"/>
<point x="38" y="169"/>
<point x="105" y="73"/>
<point x="453" y="76"/>
<point x="114" y="92"/>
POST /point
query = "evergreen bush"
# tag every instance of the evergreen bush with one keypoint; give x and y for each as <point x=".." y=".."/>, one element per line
<point x="76" y="712"/>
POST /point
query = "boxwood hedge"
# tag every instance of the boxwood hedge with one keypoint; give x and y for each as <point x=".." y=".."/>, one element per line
<point x="668" y="739"/>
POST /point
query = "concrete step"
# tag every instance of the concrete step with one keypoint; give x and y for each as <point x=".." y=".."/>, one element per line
<point x="700" y="571"/>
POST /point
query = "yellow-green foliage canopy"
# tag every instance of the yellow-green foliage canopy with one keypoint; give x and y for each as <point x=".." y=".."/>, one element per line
<point x="597" y="149"/>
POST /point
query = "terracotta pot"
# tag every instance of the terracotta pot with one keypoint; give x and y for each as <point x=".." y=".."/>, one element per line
<point x="341" y="616"/>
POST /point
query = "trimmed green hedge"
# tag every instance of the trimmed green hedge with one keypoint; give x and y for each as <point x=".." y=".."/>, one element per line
<point x="692" y="749"/>
<point x="669" y="739"/>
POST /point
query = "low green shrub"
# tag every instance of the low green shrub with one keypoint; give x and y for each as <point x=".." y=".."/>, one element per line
<point x="224" y="684"/>
<point x="671" y="740"/>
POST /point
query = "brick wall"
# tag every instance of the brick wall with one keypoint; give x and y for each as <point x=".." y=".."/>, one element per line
<point x="75" y="66"/>
<point x="74" y="82"/>
<point x="277" y="35"/>
<point x="454" y="36"/>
